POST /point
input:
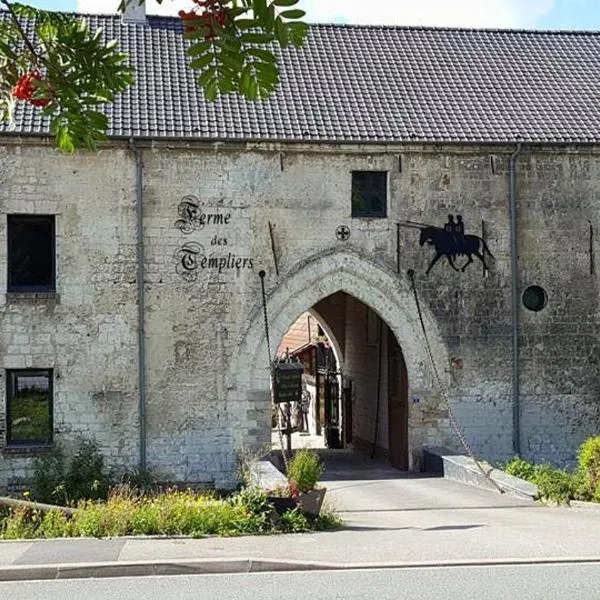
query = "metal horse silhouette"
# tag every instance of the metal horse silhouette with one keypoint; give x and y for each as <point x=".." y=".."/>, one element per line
<point x="451" y="242"/>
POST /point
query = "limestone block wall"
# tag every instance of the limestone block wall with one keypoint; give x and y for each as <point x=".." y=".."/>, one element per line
<point x="215" y="216"/>
<point x="87" y="332"/>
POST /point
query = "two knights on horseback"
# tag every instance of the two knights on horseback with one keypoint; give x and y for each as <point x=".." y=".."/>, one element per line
<point x="452" y="242"/>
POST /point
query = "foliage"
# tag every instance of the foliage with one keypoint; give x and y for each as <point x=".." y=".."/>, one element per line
<point x="84" y="477"/>
<point x="558" y="485"/>
<point x="518" y="467"/>
<point x="288" y="490"/>
<point x="49" y="476"/>
<point x="127" y="512"/>
<point x="305" y="469"/>
<point x="56" y="64"/>
<point x="554" y="484"/>
<point x="295" y="521"/>
<point x="589" y="465"/>
<point x="142" y="480"/>
<point x="327" y="521"/>
<point x="257" y="509"/>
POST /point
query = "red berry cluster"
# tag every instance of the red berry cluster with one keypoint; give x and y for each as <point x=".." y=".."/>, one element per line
<point x="25" y="88"/>
<point x="213" y="16"/>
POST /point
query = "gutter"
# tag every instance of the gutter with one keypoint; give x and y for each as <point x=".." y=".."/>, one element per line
<point x="516" y="400"/>
<point x="141" y="305"/>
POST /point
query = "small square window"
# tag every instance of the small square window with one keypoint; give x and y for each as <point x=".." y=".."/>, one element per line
<point x="369" y="194"/>
<point x="29" y="407"/>
<point x="31" y="253"/>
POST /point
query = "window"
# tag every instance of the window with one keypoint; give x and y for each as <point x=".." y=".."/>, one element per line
<point x="29" y="407"/>
<point x="31" y="253"/>
<point x="369" y="194"/>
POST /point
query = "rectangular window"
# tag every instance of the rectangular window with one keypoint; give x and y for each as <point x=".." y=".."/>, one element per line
<point x="369" y="194"/>
<point x="29" y="407"/>
<point x="31" y="253"/>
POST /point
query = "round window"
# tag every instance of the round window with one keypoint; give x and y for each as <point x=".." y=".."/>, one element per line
<point x="535" y="298"/>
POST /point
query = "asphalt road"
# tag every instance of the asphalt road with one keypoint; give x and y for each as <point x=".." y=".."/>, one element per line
<point x="525" y="582"/>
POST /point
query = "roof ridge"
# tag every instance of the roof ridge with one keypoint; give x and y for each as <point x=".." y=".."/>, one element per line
<point x="502" y="30"/>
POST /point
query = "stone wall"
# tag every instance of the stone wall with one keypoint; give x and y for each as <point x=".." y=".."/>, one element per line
<point x="208" y="388"/>
<point x="87" y="333"/>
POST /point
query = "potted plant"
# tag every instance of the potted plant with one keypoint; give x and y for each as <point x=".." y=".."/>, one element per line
<point x="283" y="497"/>
<point x="304" y="471"/>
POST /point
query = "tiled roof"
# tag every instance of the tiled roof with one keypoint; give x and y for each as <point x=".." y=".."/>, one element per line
<point x="368" y="84"/>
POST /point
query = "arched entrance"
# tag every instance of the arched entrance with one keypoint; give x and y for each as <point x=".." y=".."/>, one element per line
<point x="355" y="381"/>
<point x="386" y="293"/>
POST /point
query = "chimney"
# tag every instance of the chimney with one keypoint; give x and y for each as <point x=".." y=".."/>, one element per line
<point x="135" y="13"/>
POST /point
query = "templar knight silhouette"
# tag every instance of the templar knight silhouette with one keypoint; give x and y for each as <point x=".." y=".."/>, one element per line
<point x="451" y="242"/>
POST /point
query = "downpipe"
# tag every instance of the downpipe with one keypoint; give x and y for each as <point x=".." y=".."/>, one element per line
<point x="512" y="191"/>
<point x="141" y="301"/>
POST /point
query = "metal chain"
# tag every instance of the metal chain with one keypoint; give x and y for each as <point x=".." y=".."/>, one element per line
<point x="272" y="372"/>
<point x="452" y="417"/>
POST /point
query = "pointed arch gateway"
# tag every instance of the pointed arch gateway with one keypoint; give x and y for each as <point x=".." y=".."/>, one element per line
<point x="376" y="287"/>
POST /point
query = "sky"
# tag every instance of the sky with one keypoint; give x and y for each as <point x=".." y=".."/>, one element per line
<point x="529" y="14"/>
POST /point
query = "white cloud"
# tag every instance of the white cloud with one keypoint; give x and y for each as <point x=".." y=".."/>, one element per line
<point x="449" y="13"/>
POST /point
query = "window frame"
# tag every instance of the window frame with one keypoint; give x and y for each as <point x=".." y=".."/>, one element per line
<point x="24" y="289"/>
<point x="369" y="213"/>
<point x="11" y="374"/>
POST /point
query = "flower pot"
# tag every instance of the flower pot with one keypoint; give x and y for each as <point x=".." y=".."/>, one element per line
<point x="311" y="502"/>
<point x="282" y="505"/>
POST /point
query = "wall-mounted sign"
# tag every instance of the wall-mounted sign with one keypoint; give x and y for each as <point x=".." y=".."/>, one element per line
<point x="450" y="241"/>
<point x="288" y="382"/>
<point x="192" y="257"/>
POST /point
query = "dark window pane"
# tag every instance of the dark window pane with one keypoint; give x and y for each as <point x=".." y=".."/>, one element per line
<point x="369" y="194"/>
<point x="30" y="253"/>
<point x="29" y="407"/>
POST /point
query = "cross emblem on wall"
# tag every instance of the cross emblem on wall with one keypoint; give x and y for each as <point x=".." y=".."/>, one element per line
<point x="342" y="233"/>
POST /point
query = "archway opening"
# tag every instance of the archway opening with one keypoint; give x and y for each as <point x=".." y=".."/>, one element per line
<point x="355" y="382"/>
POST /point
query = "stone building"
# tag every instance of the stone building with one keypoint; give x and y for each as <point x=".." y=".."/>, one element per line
<point x="130" y="278"/>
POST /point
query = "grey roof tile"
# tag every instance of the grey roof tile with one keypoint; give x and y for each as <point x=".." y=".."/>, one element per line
<point x="368" y="84"/>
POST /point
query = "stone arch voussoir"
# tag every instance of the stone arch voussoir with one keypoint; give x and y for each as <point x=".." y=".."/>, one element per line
<point x="386" y="292"/>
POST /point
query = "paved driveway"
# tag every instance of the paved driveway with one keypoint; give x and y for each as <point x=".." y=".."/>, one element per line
<point x="361" y="489"/>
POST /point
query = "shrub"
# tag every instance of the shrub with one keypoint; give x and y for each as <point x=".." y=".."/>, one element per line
<point x="49" y="477"/>
<point x="83" y="478"/>
<point x="86" y="478"/>
<point x="127" y="512"/>
<point x="141" y="480"/>
<point x="257" y="511"/>
<point x="295" y="521"/>
<point x="589" y="465"/>
<point x="554" y="484"/>
<point x="305" y="469"/>
<point x="520" y="468"/>
<point x="327" y="521"/>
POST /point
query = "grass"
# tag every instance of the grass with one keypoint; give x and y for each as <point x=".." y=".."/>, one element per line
<point x="127" y="513"/>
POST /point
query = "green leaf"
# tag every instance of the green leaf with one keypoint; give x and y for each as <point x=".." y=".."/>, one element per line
<point x="292" y="14"/>
<point x="298" y="32"/>
<point x="246" y="23"/>
<point x="264" y="55"/>
<point x="284" y="2"/>
<point x="202" y="61"/>
<point x="282" y="33"/>
<point x="256" y="38"/>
